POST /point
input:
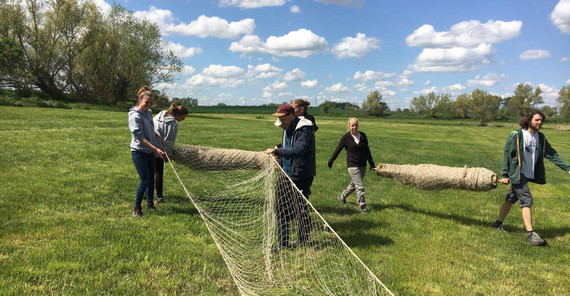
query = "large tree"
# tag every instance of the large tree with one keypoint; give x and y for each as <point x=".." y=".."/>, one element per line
<point x="374" y="105"/>
<point x="525" y="98"/>
<point x="484" y="105"/>
<point x="432" y="104"/>
<point x="564" y="99"/>
<point x="68" y="48"/>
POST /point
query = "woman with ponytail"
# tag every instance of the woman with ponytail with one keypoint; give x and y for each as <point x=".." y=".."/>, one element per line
<point x="166" y="126"/>
<point x="143" y="147"/>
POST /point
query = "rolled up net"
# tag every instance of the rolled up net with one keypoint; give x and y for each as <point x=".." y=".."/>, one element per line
<point x="272" y="239"/>
<point x="430" y="176"/>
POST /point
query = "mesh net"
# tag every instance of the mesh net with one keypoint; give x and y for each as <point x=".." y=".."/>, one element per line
<point x="272" y="239"/>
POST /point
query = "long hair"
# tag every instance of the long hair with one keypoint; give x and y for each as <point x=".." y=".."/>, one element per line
<point x="176" y="110"/>
<point x="301" y="103"/>
<point x="143" y="92"/>
<point x="524" y="122"/>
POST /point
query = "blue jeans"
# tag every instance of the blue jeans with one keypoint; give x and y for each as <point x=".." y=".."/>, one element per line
<point x="144" y="163"/>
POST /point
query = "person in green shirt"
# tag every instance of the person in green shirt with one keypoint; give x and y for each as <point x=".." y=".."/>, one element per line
<point x="523" y="162"/>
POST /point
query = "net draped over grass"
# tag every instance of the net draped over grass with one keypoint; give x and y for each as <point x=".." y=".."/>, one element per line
<point x="235" y="193"/>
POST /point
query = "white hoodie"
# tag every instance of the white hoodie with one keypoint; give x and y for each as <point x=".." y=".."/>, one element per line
<point x="167" y="127"/>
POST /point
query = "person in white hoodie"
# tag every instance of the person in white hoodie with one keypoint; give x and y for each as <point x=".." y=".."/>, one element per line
<point x="166" y="126"/>
<point x="143" y="147"/>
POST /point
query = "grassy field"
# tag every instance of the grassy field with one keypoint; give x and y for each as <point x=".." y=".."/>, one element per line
<point x="69" y="184"/>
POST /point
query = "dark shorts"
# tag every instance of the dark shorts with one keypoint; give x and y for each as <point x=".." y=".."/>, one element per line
<point x="520" y="192"/>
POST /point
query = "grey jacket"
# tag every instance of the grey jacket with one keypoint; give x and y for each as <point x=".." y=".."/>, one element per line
<point x="167" y="128"/>
<point x="141" y="128"/>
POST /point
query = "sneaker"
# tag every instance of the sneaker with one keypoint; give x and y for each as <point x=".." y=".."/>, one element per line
<point x="498" y="226"/>
<point x="137" y="213"/>
<point x="535" y="240"/>
<point x="343" y="199"/>
<point x="363" y="208"/>
<point x="150" y="207"/>
<point x="160" y="199"/>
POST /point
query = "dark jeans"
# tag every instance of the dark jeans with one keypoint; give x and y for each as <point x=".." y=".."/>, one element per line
<point x="289" y="204"/>
<point x="144" y="163"/>
<point x="159" y="176"/>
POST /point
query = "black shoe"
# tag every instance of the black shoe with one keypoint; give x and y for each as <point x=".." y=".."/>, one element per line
<point x="150" y="207"/>
<point x="498" y="226"/>
<point x="160" y="199"/>
<point x="137" y="213"/>
<point x="363" y="209"/>
<point x="343" y="199"/>
<point x="534" y="239"/>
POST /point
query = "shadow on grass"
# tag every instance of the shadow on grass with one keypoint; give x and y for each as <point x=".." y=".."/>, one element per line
<point x="460" y="219"/>
<point x="554" y="232"/>
<point x="179" y="205"/>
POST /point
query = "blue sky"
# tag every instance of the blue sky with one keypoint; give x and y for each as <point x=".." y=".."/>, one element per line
<point x="252" y="52"/>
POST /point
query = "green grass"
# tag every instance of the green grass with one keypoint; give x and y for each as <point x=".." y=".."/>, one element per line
<point x="69" y="184"/>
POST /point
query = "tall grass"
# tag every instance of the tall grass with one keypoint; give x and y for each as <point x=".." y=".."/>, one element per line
<point x="69" y="185"/>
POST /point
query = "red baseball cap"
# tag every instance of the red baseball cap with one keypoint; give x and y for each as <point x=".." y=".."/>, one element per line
<point x="284" y="109"/>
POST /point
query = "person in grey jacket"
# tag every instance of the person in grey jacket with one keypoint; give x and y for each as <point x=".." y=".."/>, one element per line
<point x="143" y="146"/>
<point x="166" y="126"/>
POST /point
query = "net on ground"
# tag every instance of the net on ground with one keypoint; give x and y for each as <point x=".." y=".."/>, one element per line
<point x="272" y="239"/>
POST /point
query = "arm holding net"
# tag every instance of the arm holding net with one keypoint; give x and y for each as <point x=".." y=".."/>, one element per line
<point x="430" y="176"/>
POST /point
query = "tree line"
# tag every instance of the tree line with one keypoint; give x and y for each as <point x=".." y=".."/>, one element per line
<point x="478" y="104"/>
<point x="71" y="52"/>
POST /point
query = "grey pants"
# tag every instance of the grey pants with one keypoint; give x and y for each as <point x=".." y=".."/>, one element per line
<point x="356" y="176"/>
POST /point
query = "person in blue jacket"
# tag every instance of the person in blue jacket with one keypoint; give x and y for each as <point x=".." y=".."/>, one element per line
<point x="166" y="126"/>
<point x="523" y="162"/>
<point x="297" y="156"/>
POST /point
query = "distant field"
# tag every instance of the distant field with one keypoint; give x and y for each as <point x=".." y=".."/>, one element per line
<point x="69" y="185"/>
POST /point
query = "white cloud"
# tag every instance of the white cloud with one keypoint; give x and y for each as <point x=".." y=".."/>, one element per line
<point x="294" y="75"/>
<point x="454" y="89"/>
<point x="465" y="34"/>
<point x="103" y="6"/>
<point x="370" y="75"/>
<point x="384" y="83"/>
<point x="309" y="83"/>
<point x="275" y="86"/>
<point x="263" y="71"/>
<point x="181" y="51"/>
<point x="564" y="59"/>
<point x="456" y="59"/>
<point x="161" y="17"/>
<point x="223" y="71"/>
<point x="427" y="82"/>
<point x="405" y="82"/>
<point x="217" y="76"/>
<point x="214" y="26"/>
<point x="568" y="81"/>
<point x="301" y="43"/>
<point x="350" y="3"/>
<point x="560" y="16"/>
<point x="533" y="54"/>
<point x="336" y="88"/>
<point x="187" y="70"/>
<point x="355" y="47"/>
<point x="360" y="87"/>
<point x="251" y="3"/>
<point x="295" y="9"/>
<point x="426" y="91"/>
<point x="549" y="94"/>
<point x="486" y="81"/>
